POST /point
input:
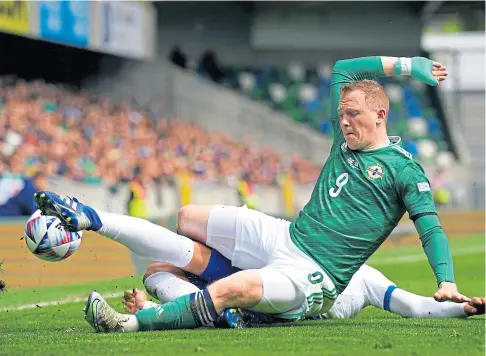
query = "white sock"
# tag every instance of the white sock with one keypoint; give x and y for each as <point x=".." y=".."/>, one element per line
<point x="410" y="305"/>
<point x="147" y="240"/>
<point x="406" y="304"/>
<point x="149" y="304"/>
<point x="166" y="286"/>
<point x="131" y="325"/>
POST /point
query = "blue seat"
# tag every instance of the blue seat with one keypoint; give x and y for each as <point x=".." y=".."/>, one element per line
<point x="325" y="126"/>
<point x="434" y="126"/>
<point x="315" y="113"/>
<point x="411" y="146"/>
<point x="312" y="106"/>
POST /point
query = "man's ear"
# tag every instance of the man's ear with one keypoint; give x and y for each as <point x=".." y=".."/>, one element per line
<point x="381" y="116"/>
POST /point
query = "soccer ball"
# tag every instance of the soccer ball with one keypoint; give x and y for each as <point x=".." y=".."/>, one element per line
<point x="47" y="239"/>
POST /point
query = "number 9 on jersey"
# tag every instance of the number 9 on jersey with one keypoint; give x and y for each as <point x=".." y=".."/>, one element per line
<point x="340" y="183"/>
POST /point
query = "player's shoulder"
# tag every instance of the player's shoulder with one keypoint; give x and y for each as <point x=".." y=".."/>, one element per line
<point x="401" y="157"/>
<point x="401" y="160"/>
<point x="398" y="152"/>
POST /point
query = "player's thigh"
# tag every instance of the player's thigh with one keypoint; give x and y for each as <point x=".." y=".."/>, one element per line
<point x="352" y="300"/>
<point x="262" y="290"/>
<point x="222" y="230"/>
<point x="192" y="221"/>
<point x="346" y="306"/>
<point x="298" y="289"/>
<point x="368" y="286"/>
<point x="375" y="284"/>
<point x="281" y="296"/>
<point x="245" y="236"/>
<point x="304" y="272"/>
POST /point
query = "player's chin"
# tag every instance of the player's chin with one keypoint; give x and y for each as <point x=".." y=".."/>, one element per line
<point x="352" y="142"/>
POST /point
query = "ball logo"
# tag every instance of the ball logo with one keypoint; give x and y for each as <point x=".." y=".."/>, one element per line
<point x="47" y="238"/>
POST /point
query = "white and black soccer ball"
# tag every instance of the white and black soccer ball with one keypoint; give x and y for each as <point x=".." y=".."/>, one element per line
<point x="47" y="239"/>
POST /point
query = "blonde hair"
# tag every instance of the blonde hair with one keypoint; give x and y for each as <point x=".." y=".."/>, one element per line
<point x="375" y="96"/>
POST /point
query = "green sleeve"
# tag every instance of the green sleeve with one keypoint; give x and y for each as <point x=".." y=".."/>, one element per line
<point x="436" y="247"/>
<point x="413" y="188"/>
<point x="347" y="71"/>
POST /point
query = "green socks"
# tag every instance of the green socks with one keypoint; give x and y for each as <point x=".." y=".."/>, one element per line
<point x="186" y="312"/>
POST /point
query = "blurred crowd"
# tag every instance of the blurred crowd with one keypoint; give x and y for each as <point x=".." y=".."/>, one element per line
<point x="90" y="138"/>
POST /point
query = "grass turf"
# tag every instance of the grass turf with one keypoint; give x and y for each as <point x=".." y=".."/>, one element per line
<point x="61" y="329"/>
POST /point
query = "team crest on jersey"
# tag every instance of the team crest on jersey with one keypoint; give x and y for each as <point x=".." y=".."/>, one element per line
<point x="375" y="172"/>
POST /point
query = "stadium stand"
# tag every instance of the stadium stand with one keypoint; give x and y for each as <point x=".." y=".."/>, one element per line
<point x="87" y="138"/>
<point x="303" y="94"/>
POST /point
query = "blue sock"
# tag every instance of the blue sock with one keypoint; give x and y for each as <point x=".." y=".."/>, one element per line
<point x="218" y="267"/>
<point x="93" y="217"/>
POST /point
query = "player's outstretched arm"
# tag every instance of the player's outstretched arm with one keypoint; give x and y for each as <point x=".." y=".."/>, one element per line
<point x="436" y="247"/>
<point x="414" y="189"/>
<point x="346" y="71"/>
<point x="419" y="68"/>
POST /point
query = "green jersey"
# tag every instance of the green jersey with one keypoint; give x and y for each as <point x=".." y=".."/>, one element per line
<point x="360" y="196"/>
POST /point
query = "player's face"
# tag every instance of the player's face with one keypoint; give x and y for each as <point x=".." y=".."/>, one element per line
<point x="357" y="121"/>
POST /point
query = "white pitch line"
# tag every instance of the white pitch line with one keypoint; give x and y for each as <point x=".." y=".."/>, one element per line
<point x="378" y="261"/>
<point x="65" y="301"/>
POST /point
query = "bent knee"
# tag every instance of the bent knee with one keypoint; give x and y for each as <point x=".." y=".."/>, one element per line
<point x="192" y="221"/>
<point x="162" y="267"/>
<point x="183" y="215"/>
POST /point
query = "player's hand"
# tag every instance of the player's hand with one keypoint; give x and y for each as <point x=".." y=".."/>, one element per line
<point x="134" y="300"/>
<point x="428" y="71"/>
<point x="475" y="306"/>
<point x="448" y="292"/>
<point x="439" y="72"/>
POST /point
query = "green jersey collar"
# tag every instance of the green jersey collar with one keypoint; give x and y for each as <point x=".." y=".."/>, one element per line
<point x="394" y="141"/>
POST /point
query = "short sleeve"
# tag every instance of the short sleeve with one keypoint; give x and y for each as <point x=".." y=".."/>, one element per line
<point x="414" y="190"/>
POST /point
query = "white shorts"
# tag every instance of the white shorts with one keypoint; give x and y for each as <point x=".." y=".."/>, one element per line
<point x="253" y="240"/>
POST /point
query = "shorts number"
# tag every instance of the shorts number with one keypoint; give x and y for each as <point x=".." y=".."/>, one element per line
<point x="316" y="277"/>
<point x="340" y="183"/>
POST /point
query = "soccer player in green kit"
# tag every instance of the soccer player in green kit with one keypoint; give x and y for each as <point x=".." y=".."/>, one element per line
<point x="293" y="269"/>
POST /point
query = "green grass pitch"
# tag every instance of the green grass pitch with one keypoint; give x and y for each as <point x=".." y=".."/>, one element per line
<point x="61" y="329"/>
